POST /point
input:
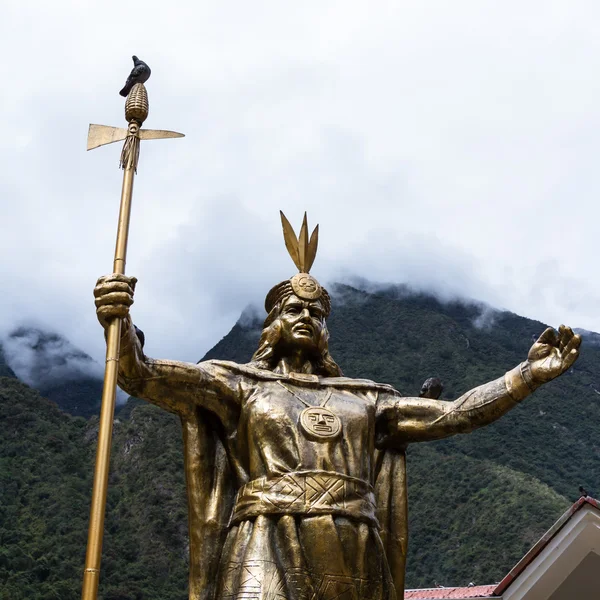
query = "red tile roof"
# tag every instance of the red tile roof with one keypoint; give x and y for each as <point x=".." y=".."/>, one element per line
<point x="476" y="591"/>
<point x="542" y="543"/>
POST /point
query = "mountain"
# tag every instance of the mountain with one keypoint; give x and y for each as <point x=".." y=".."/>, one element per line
<point x="477" y="502"/>
<point x="56" y="368"/>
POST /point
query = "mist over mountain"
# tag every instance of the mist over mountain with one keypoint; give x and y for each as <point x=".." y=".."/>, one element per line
<point x="476" y="502"/>
<point x="591" y="337"/>
<point x="5" y="370"/>
<point x="42" y="358"/>
<point x="61" y="372"/>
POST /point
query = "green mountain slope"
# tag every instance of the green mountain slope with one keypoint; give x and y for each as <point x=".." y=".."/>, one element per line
<point x="472" y="519"/>
<point x="46" y="464"/>
<point x="45" y="479"/>
<point x="477" y="502"/>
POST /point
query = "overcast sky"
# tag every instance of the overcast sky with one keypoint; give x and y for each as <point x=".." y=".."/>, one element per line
<point x="453" y="146"/>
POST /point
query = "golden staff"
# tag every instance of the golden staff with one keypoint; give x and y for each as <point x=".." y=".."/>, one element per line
<point x="136" y="112"/>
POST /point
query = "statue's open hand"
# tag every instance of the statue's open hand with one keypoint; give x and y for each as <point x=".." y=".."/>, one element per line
<point x="553" y="353"/>
<point x="114" y="296"/>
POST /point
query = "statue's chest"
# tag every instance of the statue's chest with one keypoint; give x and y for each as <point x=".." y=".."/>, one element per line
<point x="319" y="414"/>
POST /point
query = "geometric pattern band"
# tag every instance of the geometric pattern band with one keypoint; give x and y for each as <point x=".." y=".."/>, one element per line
<point x="264" y="580"/>
<point x="307" y="493"/>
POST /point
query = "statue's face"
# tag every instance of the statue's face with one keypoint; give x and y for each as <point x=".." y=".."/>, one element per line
<point x="302" y="323"/>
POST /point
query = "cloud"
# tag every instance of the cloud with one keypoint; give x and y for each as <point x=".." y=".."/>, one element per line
<point x="448" y="147"/>
<point x="42" y="359"/>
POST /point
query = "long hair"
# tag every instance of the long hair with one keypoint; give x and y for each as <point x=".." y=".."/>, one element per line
<point x="266" y="356"/>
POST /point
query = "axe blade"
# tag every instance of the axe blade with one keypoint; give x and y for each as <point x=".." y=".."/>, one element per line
<point x="100" y="135"/>
<point x="158" y="134"/>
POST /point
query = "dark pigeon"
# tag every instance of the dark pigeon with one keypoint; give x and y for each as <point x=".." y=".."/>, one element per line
<point x="139" y="74"/>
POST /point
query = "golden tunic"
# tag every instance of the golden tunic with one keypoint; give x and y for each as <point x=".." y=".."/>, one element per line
<point x="286" y="506"/>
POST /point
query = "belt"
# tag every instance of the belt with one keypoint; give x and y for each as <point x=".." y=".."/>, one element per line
<point x="307" y="493"/>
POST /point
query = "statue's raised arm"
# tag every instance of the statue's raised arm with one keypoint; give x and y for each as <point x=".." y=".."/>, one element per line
<point x="406" y="420"/>
<point x="176" y="386"/>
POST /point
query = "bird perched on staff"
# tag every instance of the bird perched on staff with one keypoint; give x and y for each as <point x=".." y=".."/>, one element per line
<point x="139" y="74"/>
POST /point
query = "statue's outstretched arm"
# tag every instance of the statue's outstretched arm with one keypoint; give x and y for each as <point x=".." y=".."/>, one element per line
<point x="175" y="386"/>
<point x="404" y="420"/>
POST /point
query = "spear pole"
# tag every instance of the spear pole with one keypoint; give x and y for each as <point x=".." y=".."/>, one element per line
<point x="136" y="112"/>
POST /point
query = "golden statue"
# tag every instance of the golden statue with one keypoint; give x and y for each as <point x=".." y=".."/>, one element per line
<point x="296" y="475"/>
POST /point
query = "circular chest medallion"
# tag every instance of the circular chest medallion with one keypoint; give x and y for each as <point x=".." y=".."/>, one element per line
<point x="320" y="423"/>
<point x="306" y="286"/>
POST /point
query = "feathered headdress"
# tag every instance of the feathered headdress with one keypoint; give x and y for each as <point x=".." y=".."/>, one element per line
<point x="303" y="252"/>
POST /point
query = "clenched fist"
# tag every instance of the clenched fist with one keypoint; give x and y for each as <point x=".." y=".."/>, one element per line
<point x="114" y="296"/>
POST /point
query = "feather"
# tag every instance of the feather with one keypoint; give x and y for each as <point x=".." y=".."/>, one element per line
<point x="291" y="241"/>
<point x="311" y="252"/>
<point x="303" y="245"/>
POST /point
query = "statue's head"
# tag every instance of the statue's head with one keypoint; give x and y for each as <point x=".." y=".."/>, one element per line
<point x="297" y="310"/>
<point x="296" y="325"/>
